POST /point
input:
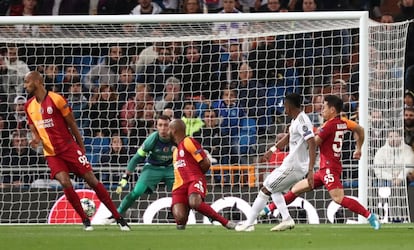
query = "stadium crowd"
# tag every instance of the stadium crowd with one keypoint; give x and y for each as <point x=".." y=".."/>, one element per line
<point x="229" y="94"/>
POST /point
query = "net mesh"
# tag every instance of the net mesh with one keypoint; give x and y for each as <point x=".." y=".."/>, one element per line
<point x="118" y="77"/>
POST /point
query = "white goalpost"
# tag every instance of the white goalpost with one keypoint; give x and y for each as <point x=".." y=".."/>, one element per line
<point x="259" y="57"/>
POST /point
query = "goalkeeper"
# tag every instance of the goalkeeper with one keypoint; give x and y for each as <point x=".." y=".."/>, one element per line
<point x="156" y="151"/>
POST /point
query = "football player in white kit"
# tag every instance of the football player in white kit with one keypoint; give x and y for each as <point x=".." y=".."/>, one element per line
<point x="299" y="162"/>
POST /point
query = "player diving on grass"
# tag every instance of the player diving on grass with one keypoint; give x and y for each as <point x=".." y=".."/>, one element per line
<point x="299" y="161"/>
<point x="156" y="151"/>
<point x="190" y="186"/>
<point x="330" y="139"/>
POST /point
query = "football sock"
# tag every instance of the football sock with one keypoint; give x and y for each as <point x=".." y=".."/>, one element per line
<point x="258" y="204"/>
<point x="74" y="200"/>
<point x="279" y="200"/>
<point x="289" y="198"/>
<point x="205" y="209"/>
<point x="103" y="195"/>
<point x="127" y="202"/>
<point x="355" y="206"/>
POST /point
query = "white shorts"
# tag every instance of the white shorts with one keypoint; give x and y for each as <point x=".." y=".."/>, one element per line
<point x="281" y="179"/>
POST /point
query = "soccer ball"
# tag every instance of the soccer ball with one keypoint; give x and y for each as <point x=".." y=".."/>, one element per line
<point x="88" y="206"/>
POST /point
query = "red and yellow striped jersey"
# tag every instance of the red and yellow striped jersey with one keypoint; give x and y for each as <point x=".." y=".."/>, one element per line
<point x="48" y="118"/>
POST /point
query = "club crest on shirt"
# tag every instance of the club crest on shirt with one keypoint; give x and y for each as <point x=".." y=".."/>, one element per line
<point x="166" y="149"/>
<point x="305" y="128"/>
<point x="49" y="110"/>
<point x="181" y="153"/>
<point x="79" y="152"/>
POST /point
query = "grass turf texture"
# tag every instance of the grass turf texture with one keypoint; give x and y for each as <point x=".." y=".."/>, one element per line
<point x="200" y="237"/>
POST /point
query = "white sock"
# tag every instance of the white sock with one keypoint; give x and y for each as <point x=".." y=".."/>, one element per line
<point x="258" y="204"/>
<point x="280" y="202"/>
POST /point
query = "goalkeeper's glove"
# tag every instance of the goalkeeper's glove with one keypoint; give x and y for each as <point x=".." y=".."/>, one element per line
<point x="122" y="183"/>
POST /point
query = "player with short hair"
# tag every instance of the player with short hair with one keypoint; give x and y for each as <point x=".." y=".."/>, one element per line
<point x="330" y="139"/>
<point x="156" y="151"/>
<point x="299" y="161"/>
<point x="190" y="185"/>
<point x="51" y="122"/>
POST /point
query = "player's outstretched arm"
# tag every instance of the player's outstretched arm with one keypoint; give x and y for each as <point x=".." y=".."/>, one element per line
<point x="132" y="164"/>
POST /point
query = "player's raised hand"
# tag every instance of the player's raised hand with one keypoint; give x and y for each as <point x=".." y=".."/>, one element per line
<point x="122" y="183"/>
<point x="357" y="154"/>
<point x="266" y="157"/>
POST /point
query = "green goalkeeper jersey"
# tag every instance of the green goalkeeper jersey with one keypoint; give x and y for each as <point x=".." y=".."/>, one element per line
<point x="156" y="151"/>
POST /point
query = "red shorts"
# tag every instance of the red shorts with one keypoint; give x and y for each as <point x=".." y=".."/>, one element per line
<point x="330" y="179"/>
<point x="71" y="161"/>
<point x="181" y="194"/>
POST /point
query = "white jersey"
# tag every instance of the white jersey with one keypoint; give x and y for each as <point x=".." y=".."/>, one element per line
<point x="300" y="130"/>
<point x="296" y="163"/>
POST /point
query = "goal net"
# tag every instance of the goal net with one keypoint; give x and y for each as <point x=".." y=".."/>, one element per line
<point x="226" y="76"/>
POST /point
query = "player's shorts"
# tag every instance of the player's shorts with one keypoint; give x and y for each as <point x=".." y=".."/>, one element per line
<point x="152" y="175"/>
<point x="281" y="179"/>
<point x="181" y="194"/>
<point x="330" y="179"/>
<point x="71" y="161"/>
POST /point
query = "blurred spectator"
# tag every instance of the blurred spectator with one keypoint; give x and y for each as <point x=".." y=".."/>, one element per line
<point x="169" y="112"/>
<point x="107" y="71"/>
<point x="15" y="65"/>
<point x="70" y="72"/>
<point x="376" y="130"/>
<point x="315" y="111"/>
<point x="145" y="57"/>
<point x="270" y="6"/>
<point x="10" y="82"/>
<point x="407" y="13"/>
<point x="172" y="97"/>
<point x="115" y="7"/>
<point x="19" y="155"/>
<point x="63" y="7"/>
<point x="389" y="159"/>
<point x="409" y="126"/>
<point x="195" y="74"/>
<point x="133" y="110"/>
<point x="104" y="111"/>
<point x="193" y="123"/>
<point x="408" y="99"/>
<point x="24" y="8"/>
<point x="211" y="137"/>
<point x="309" y="5"/>
<point x="116" y="158"/>
<point x="79" y="104"/>
<point x="126" y="85"/>
<point x="191" y="7"/>
<point x="251" y="96"/>
<point x="146" y="7"/>
<point x="157" y="73"/>
<point x="263" y="57"/>
<point x="51" y="78"/>
<point x="229" y="69"/>
<point x="242" y="130"/>
<point x="387" y="18"/>
<point x="229" y="6"/>
<point x="16" y="119"/>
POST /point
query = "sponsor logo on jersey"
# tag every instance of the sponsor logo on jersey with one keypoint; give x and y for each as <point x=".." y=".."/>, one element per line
<point x="179" y="164"/>
<point x="166" y="149"/>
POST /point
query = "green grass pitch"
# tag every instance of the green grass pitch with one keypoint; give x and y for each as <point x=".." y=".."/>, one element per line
<point x="200" y="237"/>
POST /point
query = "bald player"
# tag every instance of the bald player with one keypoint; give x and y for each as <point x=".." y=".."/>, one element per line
<point x="189" y="189"/>
<point x="51" y="122"/>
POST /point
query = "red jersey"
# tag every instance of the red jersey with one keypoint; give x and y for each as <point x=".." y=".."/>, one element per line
<point x="48" y="118"/>
<point x="332" y="135"/>
<point x="186" y="158"/>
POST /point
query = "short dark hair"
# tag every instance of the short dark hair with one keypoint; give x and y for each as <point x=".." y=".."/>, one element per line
<point x="294" y="99"/>
<point x="334" y="101"/>
<point x="164" y="117"/>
